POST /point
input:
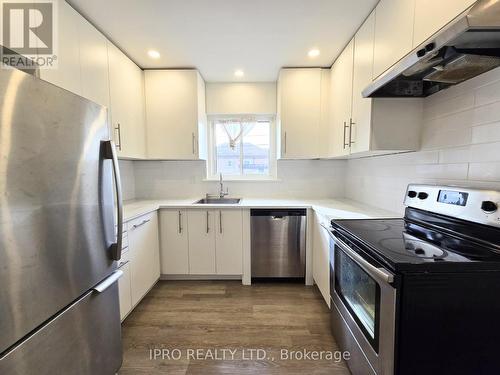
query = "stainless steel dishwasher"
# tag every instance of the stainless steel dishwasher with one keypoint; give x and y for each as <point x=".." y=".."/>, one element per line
<point x="278" y="243"/>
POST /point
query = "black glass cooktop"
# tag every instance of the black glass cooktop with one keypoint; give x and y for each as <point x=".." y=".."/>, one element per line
<point x="408" y="244"/>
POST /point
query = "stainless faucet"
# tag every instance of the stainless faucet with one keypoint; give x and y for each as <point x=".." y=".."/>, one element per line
<point x="222" y="193"/>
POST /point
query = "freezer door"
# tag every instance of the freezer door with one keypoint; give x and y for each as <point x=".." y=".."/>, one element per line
<point x="83" y="339"/>
<point x="56" y="202"/>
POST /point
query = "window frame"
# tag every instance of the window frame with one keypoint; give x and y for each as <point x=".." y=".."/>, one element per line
<point x="211" y="147"/>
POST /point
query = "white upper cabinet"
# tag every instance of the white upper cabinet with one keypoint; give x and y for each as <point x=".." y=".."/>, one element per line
<point x="93" y="63"/>
<point x="175" y="114"/>
<point x="67" y="74"/>
<point x="431" y="15"/>
<point x="299" y="106"/>
<point x="366" y="126"/>
<point x="360" y="129"/>
<point x="341" y="102"/>
<point x="126" y="85"/>
<point x="229" y="242"/>
<point x="324" y="121"/>
<point x="393" y="33"/>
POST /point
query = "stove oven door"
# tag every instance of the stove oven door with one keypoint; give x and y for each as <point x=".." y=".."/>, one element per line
<point x="363" y="310"/>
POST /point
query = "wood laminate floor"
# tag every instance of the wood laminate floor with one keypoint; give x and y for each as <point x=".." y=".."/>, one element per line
<point x="179" y="317"/>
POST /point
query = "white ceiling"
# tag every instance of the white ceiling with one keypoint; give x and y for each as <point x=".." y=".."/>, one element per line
<point x="220" y="36"/>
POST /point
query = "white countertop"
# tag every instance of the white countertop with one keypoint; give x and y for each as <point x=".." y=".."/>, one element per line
<point x="332" y="208"/>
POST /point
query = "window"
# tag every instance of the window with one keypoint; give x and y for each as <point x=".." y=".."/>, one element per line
<point x="242" y="148"/>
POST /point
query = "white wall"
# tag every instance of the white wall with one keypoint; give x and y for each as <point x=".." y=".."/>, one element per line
<point x="460" y="146"/>
<point x="185" y="179"/>
<point x="241" y="98"/>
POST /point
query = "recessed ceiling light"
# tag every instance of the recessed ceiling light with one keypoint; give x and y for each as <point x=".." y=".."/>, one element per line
<point x="313" y="53"/>
<point x="153" y="54"/>
<point x="239" y="73"/>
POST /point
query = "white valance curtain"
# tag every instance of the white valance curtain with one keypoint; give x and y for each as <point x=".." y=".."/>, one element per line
<point x="237" y="128"/>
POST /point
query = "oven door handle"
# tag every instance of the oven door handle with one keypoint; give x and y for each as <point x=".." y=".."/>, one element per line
<point x="376" y="272"/>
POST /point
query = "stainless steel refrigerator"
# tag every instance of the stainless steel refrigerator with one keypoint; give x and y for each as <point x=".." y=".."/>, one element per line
<point x="59" y="308"/>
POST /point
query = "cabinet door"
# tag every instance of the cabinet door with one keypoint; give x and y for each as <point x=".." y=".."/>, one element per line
<point x="324" y="127"/>
<point x="321" y="257"/>
<point x="144" y="251"/>
<point x="393" y="33"/>
<point x="299" y="112"/>
<point x="229" y="242"/>
<point x="93" y="63"/>
<point x="174" y="242"/>
<point x="172" y="113"/>
<point x="362" y="76"/>
<point x="201" y="233"/>
<point x="430" y="16"/>
<point x="67" y="73"/>
<point x="124" y="291"/>
<point x="127" y="104"/>
<point x="341" y="102"/>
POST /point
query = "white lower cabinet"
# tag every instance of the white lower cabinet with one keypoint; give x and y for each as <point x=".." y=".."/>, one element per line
<point x="201" y="242"/>
<point x="124" y="286"/>
<point x="321" y="256"/>
<point x="229" y="242"/>
<point x="201" y="232"/>
<point x="174" y="242"/>
<point x="144" y="250"/>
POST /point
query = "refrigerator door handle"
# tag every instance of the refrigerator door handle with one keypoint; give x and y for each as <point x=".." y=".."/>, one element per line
<point x="116" y="248"/>
<point x="107" y="282"/>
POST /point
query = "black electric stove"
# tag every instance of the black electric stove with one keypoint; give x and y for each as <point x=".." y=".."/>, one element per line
<point x="425" y="242"/>
<point x="420" y="294"/>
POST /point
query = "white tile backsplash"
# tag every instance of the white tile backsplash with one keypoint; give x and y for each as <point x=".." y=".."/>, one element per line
<point x="318" y="179"/>
<point x="127" y="174"/>
<point x="460" y="143"/>
<point x="486" y="133"/>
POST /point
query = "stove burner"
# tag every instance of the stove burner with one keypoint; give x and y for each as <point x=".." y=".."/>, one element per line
<point x="422" y="249"/>
<point x="414" y="248"/>
<point x="371" y="226"/>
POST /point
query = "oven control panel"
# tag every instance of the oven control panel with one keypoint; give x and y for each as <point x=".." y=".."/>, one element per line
<point x="479" y="206"/>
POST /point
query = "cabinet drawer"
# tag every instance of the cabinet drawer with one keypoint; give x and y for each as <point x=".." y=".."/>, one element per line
<point x="125" y="241"/>
<point x="124" y="259"/>
<point x="124" y="289"/>
<point x="139" y="222"/>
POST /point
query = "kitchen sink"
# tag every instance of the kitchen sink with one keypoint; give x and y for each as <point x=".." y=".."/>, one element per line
<point x="218" y="201"/>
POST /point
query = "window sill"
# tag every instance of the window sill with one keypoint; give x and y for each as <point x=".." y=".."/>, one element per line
<point x="249" y="179"/>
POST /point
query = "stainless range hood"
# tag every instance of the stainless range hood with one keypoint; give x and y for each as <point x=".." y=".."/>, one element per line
<point x="466" y="48"/>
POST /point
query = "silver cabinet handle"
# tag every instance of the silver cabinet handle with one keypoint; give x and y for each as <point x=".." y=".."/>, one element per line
<point x="220" y="222"/>
<point x="135" y="226"/>
<point x="284" y="148"/>
<point x="180" y="222"/>
<point x="193" y="141"/>
<point x="351" y="123"/>
<point x="106" y="283"/>
<point x="110" y="153"/>
<point x="208" y="228"/>
<point x="121" y="264"/>
<point x="380" y="274"/>
<point x="118" y="128"/>
<point x="345" y="127"/>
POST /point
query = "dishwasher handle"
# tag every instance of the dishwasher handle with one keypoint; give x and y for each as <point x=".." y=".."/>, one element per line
<point x="280" y="217"/>
<point x="279" y="213"/>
